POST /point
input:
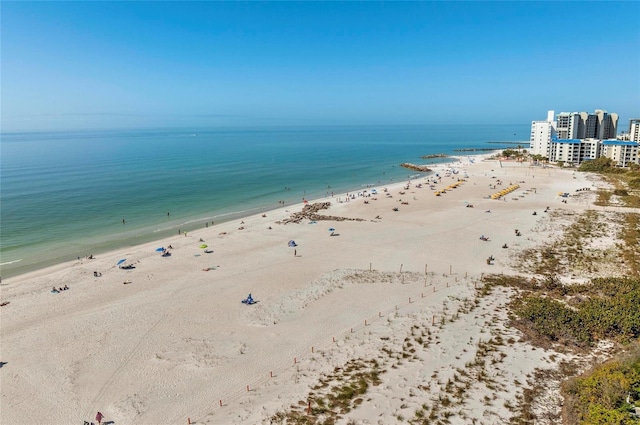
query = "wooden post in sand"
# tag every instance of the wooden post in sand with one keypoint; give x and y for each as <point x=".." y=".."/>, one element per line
<point x="401" y="267"/>
<point x="433" y="320"/>
<point x="425" y="269"/>
<point x="309" y="409"/>
<point x="369" y="266"/>
<point x="450" y="269"/>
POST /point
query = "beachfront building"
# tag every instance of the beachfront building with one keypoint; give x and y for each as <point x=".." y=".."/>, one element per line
<point x="542" y="132"/>
<point x="634" y="130"/>
<point x="607" y="126"/>
<point x="568" y="124"/>
<point x="573" y="137"/>
<point x="566" y="150"/>
<point x="574" y="151"/>
<point x="622" y="152"/>
<point x="582" y="125"/>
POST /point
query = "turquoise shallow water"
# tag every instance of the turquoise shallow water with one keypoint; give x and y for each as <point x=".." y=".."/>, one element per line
<point x="65" y="194"/>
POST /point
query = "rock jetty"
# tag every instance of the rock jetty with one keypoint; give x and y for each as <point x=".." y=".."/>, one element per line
<point x="415" y="167"/>
<point x="475" y="149"/>
<point x="310" y="212"/>
<point x="435" y="155"/>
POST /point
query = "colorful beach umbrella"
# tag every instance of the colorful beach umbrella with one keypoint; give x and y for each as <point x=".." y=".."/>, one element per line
<point x="203" y="246"/>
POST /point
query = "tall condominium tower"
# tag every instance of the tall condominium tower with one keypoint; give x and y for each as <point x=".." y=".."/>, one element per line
<point x="599" y="125"/>
<point x="542" y="132"/>
<point x="607" y="125"/>
<point x="583" y="125"/>
<point x="634" y="130"/>
<point x="568" y="125"/>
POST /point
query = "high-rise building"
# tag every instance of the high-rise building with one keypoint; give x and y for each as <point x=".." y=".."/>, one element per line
<point x="607" y="125"/>
<point x="582" y="125"/>
<point x="567" y="125"/>
<point x="542" y="132"/>
<point x="634" y="130"/>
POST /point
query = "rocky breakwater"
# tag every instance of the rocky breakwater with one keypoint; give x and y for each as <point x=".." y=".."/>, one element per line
<point x="415" y="167"/>
<point x="310" y="212"/>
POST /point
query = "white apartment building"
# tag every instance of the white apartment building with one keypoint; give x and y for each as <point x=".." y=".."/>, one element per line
<point x="566" y="150"/>
<point x="621" y="152"/>
<point x="542" y="132"/>
<point x="634" y="130"/>
<point x="568" y="124"/>
<point x="574" y="151"/>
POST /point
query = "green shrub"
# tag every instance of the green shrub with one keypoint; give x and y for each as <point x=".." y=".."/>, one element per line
<point x="553" y="320"/>
<point x="600" y="397"/>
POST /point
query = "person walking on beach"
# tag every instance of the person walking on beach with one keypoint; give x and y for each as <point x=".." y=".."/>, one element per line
<point x="295" y="252"/>
<point x="99" y="417"/>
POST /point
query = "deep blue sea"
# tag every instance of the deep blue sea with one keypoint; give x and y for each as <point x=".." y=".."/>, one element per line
<point x="65" y="194"/>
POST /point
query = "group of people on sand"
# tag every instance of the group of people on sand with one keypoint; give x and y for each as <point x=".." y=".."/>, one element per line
<point x="62" y="288"/>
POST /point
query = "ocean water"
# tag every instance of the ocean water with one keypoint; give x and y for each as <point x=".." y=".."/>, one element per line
<point x="65" y="194"/>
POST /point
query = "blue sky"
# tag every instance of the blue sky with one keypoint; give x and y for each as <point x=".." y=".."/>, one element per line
<point x="77" y="65"/>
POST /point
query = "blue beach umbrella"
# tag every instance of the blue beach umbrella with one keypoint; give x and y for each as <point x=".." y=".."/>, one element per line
<point x="331" y="229"/>
<point x="121" y="261"/>
<point x="160" y="249"/>
<point x="292" y="244"/>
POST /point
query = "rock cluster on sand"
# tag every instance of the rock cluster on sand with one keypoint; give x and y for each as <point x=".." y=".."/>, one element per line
<point x="415" y="167"/>
<point x="310" y="212"/>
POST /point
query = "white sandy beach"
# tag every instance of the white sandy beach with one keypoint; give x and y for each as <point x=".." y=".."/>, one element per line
<point x="177" y="345"/>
